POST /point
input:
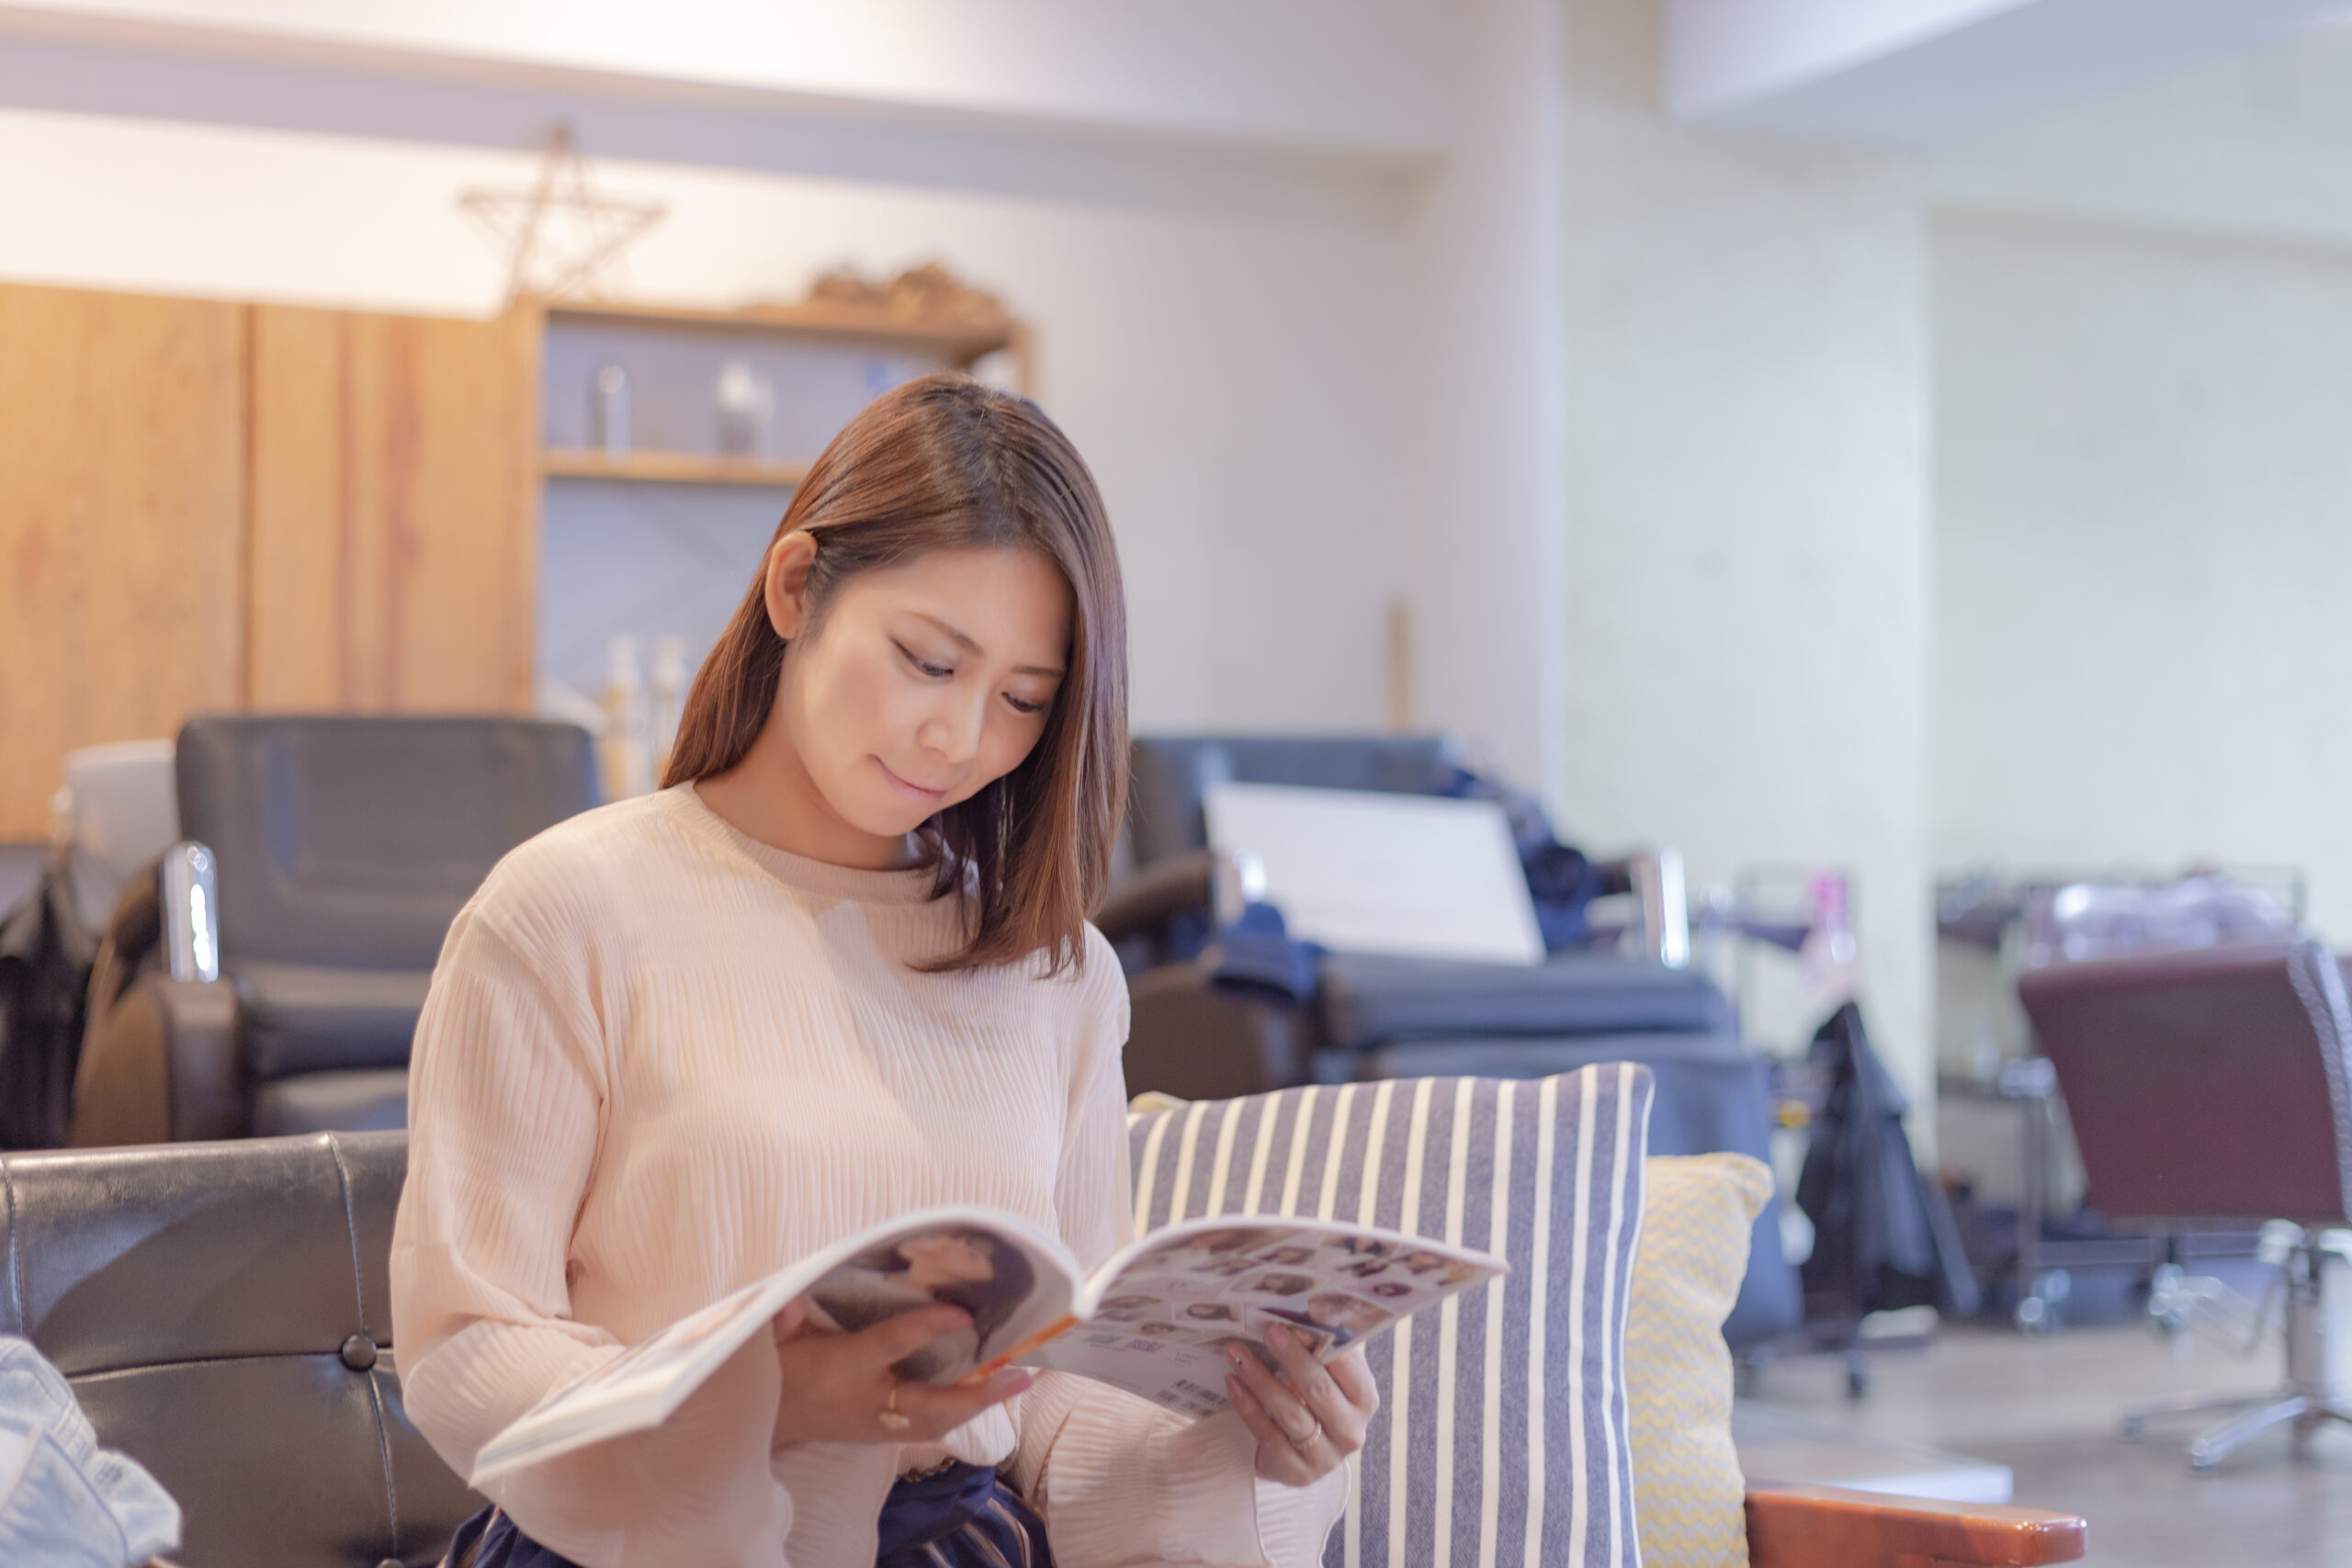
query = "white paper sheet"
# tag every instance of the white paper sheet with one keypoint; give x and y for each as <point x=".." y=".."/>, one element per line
<point x="1359" y="872"/>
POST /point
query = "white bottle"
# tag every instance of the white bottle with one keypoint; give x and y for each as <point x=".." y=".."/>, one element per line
<point x="746" y="402"/>
<point x="627" y="757"/>
<point x="669" y="699"/>
<point x="608" y="413"/>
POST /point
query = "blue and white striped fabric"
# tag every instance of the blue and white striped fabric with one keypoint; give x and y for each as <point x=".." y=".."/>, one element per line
<point x="1502" y="1437"/>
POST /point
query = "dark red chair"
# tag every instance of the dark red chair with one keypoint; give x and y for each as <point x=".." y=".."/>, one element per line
<point x="2215" y="1085"/>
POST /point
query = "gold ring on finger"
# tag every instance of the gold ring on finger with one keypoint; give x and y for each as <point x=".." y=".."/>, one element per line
<point x="894" y="1422"/>
<point x="1308" y="1441"/>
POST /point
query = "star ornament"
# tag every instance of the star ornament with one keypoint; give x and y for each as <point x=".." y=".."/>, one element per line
<point x="563" y="238"/>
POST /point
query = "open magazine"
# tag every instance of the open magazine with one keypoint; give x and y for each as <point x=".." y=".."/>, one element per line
<point x="1156" y="1319"/>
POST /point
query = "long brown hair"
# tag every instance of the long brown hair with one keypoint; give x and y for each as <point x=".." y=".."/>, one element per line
<point x="945" y="463"/>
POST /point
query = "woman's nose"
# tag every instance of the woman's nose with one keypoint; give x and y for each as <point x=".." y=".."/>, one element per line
<point x="952" y="728"/>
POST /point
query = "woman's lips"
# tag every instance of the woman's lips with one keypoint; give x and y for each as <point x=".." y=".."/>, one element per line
<point x="916" y="790"/>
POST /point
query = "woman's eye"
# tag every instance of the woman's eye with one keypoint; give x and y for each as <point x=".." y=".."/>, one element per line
<point x="1021" y="706"/>
<point x="936" y="672"/>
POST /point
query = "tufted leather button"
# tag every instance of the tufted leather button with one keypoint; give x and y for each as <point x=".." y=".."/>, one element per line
<point x="358" y="1352"/>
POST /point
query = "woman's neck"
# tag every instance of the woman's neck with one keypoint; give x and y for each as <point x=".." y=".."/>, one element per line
<point x="770" y="797"/>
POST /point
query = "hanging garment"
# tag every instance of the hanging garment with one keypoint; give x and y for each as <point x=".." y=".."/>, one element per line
<point x="1884" y="1235"/>
<point x="45" y="957"/>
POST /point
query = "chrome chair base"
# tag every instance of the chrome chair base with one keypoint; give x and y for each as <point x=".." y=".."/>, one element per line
<point x="2258" y="1414"/>
<point x="2304" y="1400"/>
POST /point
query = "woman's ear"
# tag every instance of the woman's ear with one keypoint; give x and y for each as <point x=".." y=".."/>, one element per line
<point x="787" y="581"/>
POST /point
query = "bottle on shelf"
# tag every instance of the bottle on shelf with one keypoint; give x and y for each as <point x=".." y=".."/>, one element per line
<point x="608" y="413"/>
<point x="627" y="754"/>
<point x="669" y="699"/>
<point x="746" y="402"/>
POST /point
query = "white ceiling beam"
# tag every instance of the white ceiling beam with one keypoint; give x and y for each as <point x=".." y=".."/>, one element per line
<point x="377" y="98"/>
<point x="1353" y="78"/>
<point x="1926" y="72"/>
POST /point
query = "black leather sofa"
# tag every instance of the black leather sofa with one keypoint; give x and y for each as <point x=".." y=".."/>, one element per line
<point x="223" y="1313"/>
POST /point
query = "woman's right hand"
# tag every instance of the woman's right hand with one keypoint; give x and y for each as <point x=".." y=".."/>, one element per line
<point x="837" y="1387"/>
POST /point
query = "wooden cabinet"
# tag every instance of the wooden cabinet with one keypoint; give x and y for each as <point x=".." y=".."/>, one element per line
<point x="122" y="503"/>
<point x="208" y="505"/>
<point x="394" y="513"/>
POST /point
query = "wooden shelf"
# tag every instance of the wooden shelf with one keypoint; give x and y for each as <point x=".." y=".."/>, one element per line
<point x="957" y="342"/>
<point x="671" y="468"/>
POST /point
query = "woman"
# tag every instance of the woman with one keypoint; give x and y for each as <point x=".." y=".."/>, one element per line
<point x="835" y="971"/>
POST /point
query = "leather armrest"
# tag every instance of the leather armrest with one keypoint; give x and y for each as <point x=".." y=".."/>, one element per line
<point x="161" y="1065"/>
<point x="206" y="1070"/>
<point x="1802" y="1527"/>
<point x="1148" y="900"/>
<point x="1189" y="1039"/>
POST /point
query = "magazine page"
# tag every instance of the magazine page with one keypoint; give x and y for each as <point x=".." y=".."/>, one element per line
<point x="1016" y="1282"/>
<point x="1159" y="1317"/>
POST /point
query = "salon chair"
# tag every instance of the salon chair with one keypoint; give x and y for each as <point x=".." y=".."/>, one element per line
<point x="1627" y="996"/>
<point x="269" y="980"/>
<point x="2211" y="1086"/>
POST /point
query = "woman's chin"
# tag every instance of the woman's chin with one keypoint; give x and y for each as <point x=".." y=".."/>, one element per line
<point x="890" y="820"/>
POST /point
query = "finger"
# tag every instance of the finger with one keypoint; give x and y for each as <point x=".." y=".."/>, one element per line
<point x="936" y="1410"/>
<point x="788" y="1323"/>
<point x="1353" y="1373"/>
<point x="1306" y="1376"/>
<point x="896" y="1339"/>
<point x="1296" y="1423"/>
<point x="1278" y="1457"/>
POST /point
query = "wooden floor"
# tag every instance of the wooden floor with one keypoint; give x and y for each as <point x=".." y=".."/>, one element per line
<point x="2047" y="1408"/>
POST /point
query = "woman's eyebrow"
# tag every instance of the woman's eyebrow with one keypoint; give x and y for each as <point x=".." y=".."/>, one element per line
<point x="968" y="646"/>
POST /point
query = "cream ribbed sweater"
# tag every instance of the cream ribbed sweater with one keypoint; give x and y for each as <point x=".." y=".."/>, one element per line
<point x="661" y="1060"/>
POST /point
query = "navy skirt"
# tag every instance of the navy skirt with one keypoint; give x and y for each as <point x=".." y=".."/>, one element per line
<point x="963" y="1516"/>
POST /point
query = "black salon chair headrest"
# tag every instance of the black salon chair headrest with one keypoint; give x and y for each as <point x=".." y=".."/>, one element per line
<point x="350" y="842"/>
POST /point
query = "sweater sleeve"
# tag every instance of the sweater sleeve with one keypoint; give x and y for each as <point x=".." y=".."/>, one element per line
<point x="1121" y="1482"/>
<point x="507" y="1094"/>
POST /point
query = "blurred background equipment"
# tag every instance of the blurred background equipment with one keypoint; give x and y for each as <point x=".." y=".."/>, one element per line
<point x="2214" y="1084"/>
<point x="2045" y="1255"/>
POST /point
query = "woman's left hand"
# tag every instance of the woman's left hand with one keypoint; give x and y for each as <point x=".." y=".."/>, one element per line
<point x="1312" y="1417"/>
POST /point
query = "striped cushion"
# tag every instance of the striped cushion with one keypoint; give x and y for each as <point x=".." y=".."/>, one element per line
<point x="1501" y="1438"/>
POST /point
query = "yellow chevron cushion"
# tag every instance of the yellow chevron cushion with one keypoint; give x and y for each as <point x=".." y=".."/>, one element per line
<point x="1687" y="1267"/>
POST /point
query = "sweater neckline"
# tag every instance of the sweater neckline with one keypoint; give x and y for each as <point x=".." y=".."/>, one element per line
<point x="910" y="886"/>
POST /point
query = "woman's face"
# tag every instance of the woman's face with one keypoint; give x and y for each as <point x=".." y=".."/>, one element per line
<point x="923" y="683"/>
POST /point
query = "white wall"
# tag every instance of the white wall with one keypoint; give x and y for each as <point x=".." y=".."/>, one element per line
<point x="1748" y="527"/>
<point x="2247" y="147"/>
<point x="2144" y="546"/>
<point x="1485" y="379"/>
